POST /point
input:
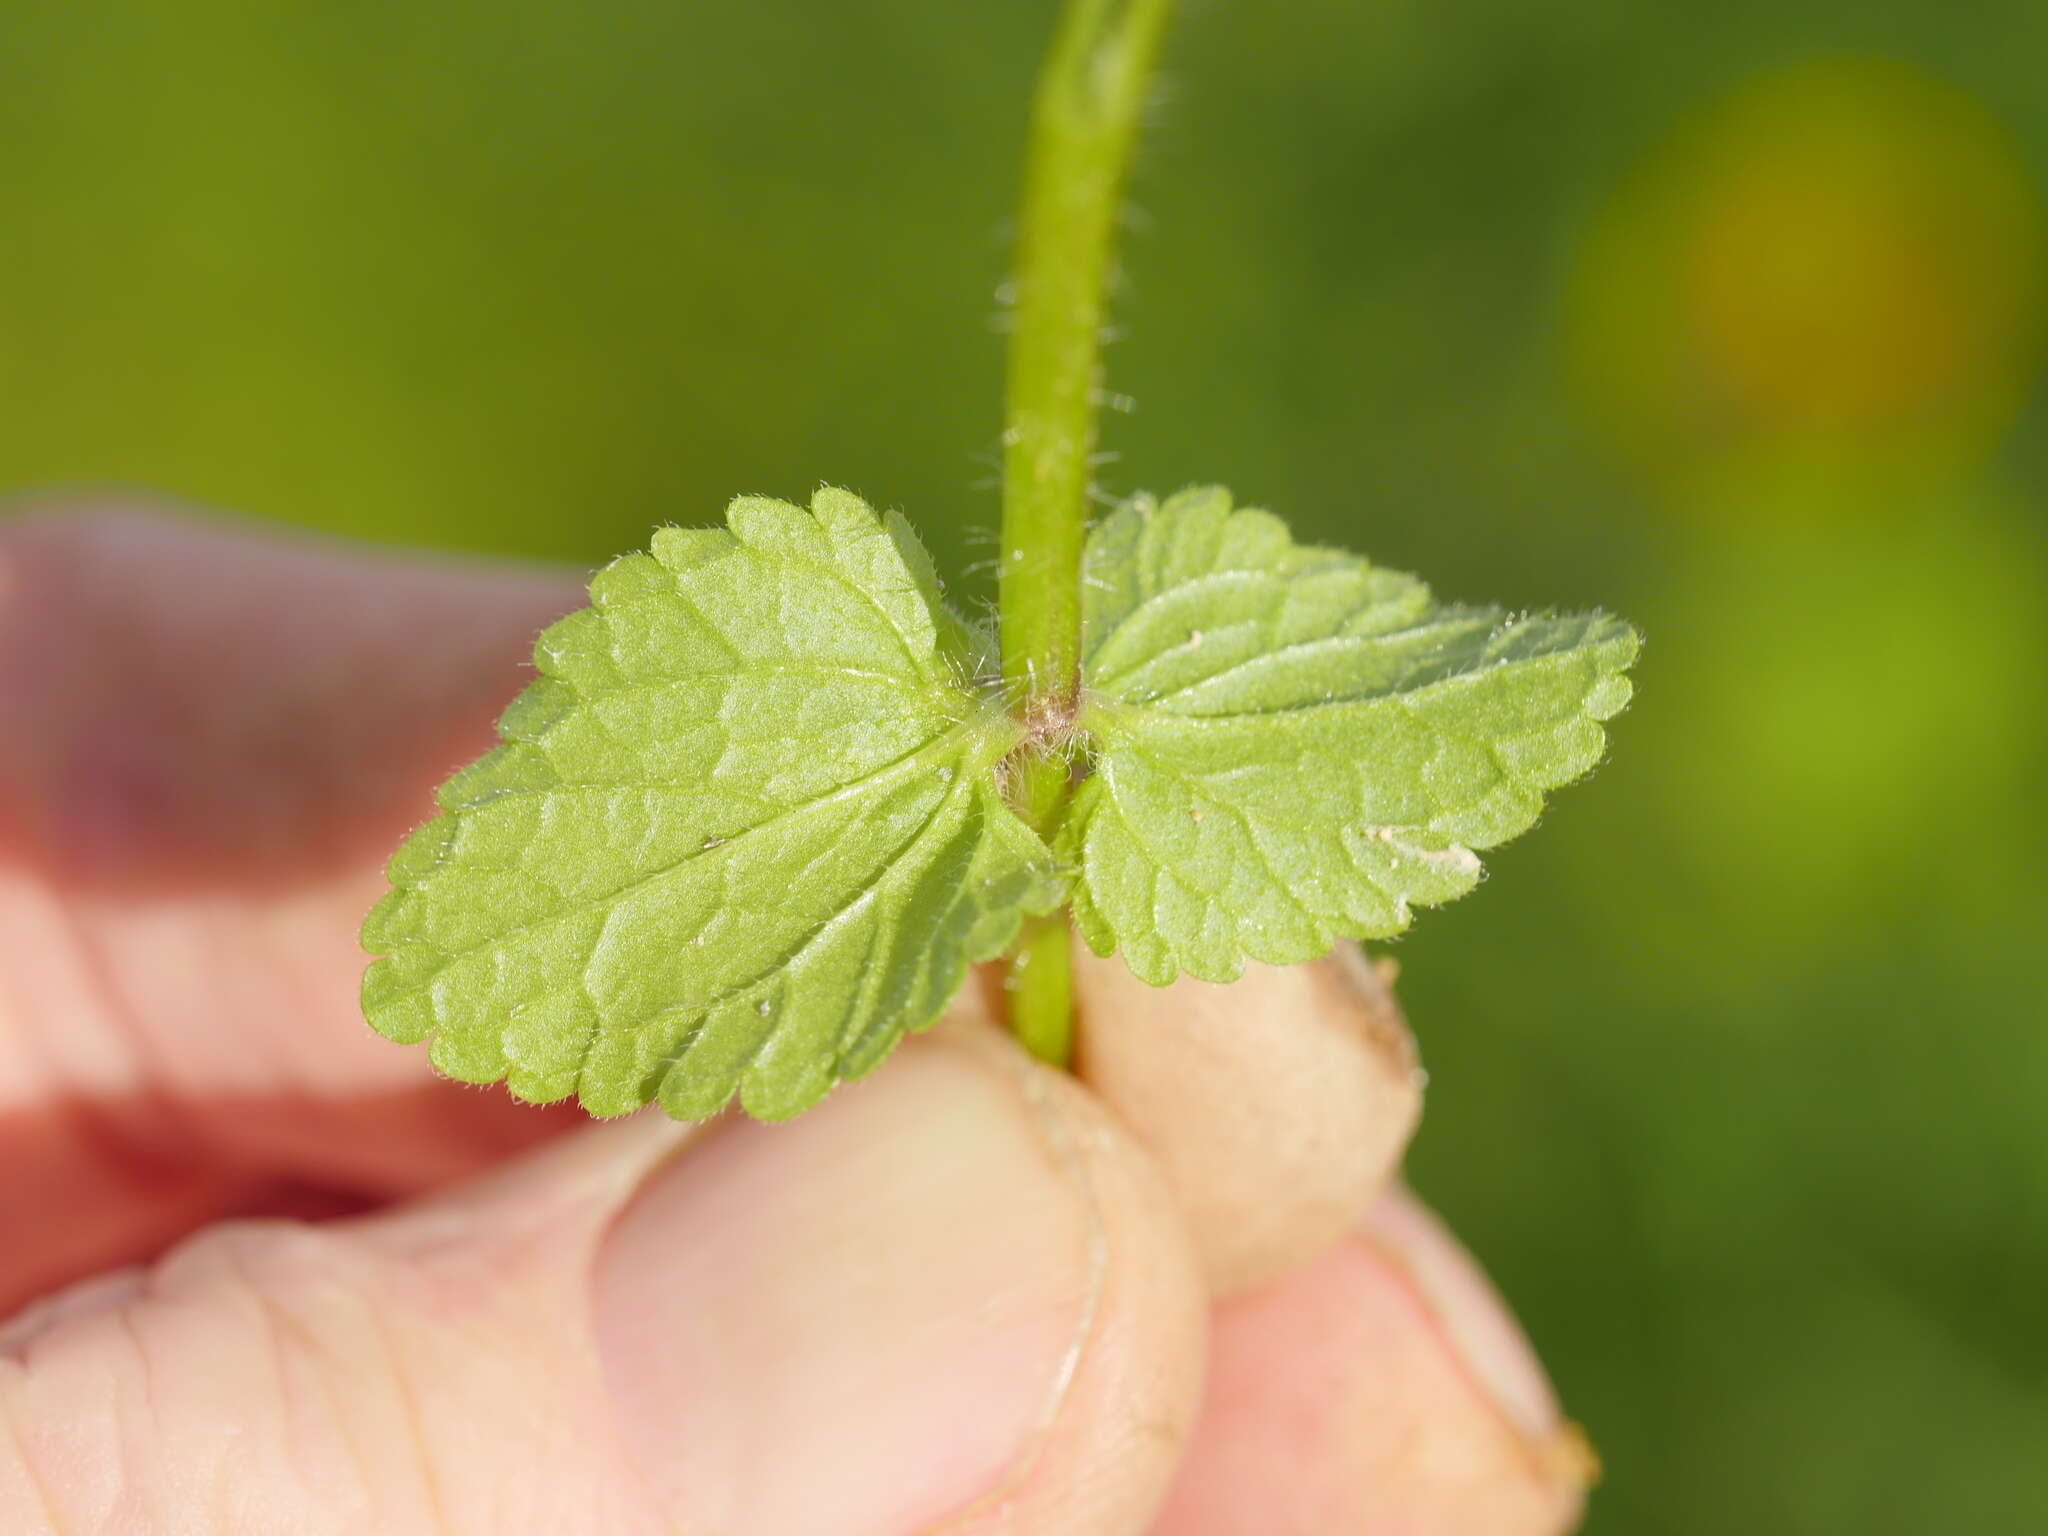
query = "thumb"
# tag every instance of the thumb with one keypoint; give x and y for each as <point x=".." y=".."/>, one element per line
<point x="953" y="1296"/>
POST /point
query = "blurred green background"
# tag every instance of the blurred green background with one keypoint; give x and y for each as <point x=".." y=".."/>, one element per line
<point x="1726" y="318"/>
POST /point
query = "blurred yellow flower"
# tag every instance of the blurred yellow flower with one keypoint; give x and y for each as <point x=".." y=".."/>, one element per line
<point x="1841" y="262"/>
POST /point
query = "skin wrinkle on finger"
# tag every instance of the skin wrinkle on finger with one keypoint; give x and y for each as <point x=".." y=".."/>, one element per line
<point x="40" y="1501"/>
<point x="551" y="1230"/>
<point x="318" y="1342"/>
<point x="139" y="1426"/>
<point x="288" y="1363"/>
<point x="447" y="1225"/>
<point x="415" y="1421"/>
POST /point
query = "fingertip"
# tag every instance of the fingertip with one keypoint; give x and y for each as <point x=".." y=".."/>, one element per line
<point x="955" y="1294"/>
<point x="1482" y="1332"/>
<point x="1278" y="1106"/>
<point x="216" y="734"/>
<point x="1382" y="1388"/>
<point x="201" y="700"/>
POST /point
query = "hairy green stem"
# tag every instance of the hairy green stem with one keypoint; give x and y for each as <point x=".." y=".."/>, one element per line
<point x="1040" y="989"/>
<point x="1084" y="122"/>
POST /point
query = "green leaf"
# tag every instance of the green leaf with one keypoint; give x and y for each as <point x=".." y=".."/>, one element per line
<point x="1293" y="746"/>
<point x="741" y="835"/>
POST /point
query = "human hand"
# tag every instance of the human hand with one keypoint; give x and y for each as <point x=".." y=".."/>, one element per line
<point x="969" y="1294"/>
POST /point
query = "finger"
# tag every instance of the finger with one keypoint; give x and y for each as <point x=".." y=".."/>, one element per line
<point x="952" y="1297"/>
<point x="1278" y="1106"/>
<point x="198" y="702"/>
<point x="1382" y="1389"/>
<point x="214" y="737"/>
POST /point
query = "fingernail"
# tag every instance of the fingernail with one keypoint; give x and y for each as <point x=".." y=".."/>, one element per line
<point x="1483" y="1334"/>
<point x="1368" y="983"/>
<point x="856" y="1321"/>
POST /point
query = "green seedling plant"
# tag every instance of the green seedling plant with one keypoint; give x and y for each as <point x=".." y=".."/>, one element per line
<point x="770" y="796"/>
